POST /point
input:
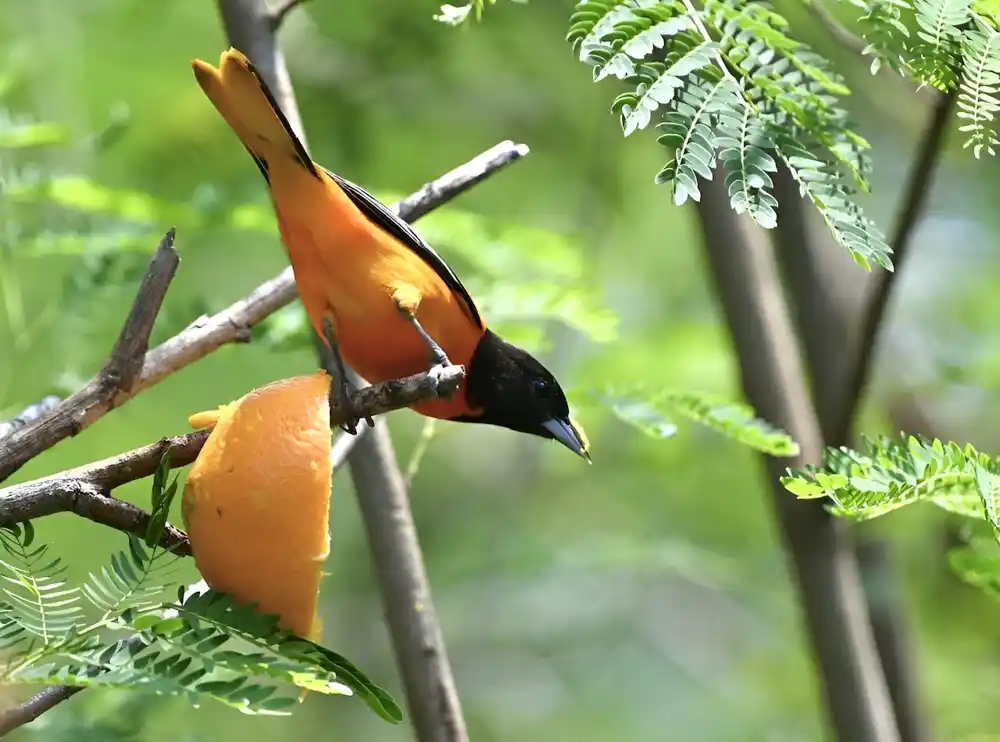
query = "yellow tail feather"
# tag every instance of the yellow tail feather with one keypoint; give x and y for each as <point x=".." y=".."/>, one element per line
<point x="244" y="101"/>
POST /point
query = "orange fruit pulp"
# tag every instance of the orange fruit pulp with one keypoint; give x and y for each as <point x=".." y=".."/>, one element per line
<point x="256" y="504"/>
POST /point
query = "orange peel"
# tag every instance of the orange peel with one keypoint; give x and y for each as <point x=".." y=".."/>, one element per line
<point x="256" y="504"/>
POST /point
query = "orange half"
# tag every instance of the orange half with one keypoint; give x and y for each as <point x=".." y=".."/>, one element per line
<point x="256" y="505"/>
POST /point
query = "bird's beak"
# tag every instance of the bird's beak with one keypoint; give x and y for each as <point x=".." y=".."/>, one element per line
<point x="566" y="433"/>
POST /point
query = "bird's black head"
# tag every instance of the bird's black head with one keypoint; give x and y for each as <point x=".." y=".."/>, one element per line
<point x="517" y="392"/>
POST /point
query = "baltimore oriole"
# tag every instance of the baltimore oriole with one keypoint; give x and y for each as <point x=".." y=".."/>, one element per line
<point x="373" y="289"/>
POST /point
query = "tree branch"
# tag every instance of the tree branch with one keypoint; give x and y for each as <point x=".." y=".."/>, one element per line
<point x="38" y="704"/>
<point x="125" y="363"/>
<point x="856" y="697"/>
<point x="207" y="334"/>
<point x="840" y="33"/>
<point x="417" y="640"/>
<point x="839" y="326"/>
<point x="419" y="203"/>
<point x="115" y="381"/>
<point x="917" y="191"/>
<point x="419" y="645"/>
<point x="86" y="490"/>
<point x="282" y="9"/>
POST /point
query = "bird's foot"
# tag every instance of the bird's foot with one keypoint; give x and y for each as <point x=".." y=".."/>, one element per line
<point x="438" y="359"/>
<point x="342" y="391"/>
<point x="342" y="399"/>
<point x="440" y="363"/>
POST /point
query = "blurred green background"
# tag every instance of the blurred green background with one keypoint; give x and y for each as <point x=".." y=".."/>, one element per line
<point x="642" y="598"/>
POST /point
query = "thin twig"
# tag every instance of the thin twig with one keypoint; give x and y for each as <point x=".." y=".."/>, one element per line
<point x="840" y="33"/>
<point x="343" y="445"/>
<point x="916" y="195"/>
<point x="774" y="382"/>
<point x="115" y="381"/>
<point x="282" y="9"/>
<point x="428" y="679"/>
<point x="126" y="360"/>
<point x="431" y="695"/>
<point x="47" y="497"/>
<point x="839" y="326"/>
<point x="86" y="490"/>
<point x="38" y="704"/>
<point x="207" y="334"/>
<point x="427" y="434"/>
<point x="417" y="203"/>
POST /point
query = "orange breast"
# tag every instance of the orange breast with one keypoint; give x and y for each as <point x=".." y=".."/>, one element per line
<point x="350" y="269"/>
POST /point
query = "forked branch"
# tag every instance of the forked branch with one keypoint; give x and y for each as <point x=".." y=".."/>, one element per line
<point x="86" y="490"/>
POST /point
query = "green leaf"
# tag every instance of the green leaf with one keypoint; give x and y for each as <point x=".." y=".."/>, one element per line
<point x="136" y="580"/>
<point x="887" y="474"/>
<point x="732" y="87"/>
<point x="301" y="662"/>
<point x="162" y="497"/>
<point x="978" y="101"/>
<point x="736" y="421"/>
<point x="42" y="134"/>
<point x="641" y="415"/>
<point x="34" y="599"/>
<point x="180" y="654"/>
<point x="661" y="83"/>
<point x="821" y="182"/>
<point x="650" y="412"/>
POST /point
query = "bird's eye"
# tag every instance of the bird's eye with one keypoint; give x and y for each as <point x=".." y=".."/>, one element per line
<point x="541" y="387"/>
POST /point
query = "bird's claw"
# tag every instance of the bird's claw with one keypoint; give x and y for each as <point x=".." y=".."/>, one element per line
<point x="345" y="404"/>
<point x="436" y="371"/>
<point x="351" y="426"/>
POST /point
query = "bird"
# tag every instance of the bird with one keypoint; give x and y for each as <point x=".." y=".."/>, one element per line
<point x="376" y="293"/>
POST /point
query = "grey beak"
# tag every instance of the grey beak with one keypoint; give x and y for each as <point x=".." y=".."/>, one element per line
<point x="564" y="432"/>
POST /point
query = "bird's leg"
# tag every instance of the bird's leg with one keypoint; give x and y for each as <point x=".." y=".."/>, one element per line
<point x="342" y="386"/>
<point x="439" y="359"/>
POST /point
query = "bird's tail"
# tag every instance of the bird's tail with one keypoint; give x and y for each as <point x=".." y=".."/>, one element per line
<point x="245" y="102"/>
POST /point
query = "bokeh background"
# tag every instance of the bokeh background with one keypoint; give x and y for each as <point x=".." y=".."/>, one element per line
<point x="642" y="598"/>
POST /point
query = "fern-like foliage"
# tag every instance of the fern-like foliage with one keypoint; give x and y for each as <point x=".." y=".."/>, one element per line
<point x="980" y="85"/>
<point x="38" y="601"/>
<point x="936" y="48"/>
<point x="46" y="617"/>
<point x="727" y="85"/>
<point x="951" y="45"/>
<point x="886" y="34"/>
<point x="652" y="411"/>
<point x="887" y="474"/>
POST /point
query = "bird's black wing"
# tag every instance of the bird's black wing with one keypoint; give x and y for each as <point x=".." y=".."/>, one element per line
<point x="388" y="220"/>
